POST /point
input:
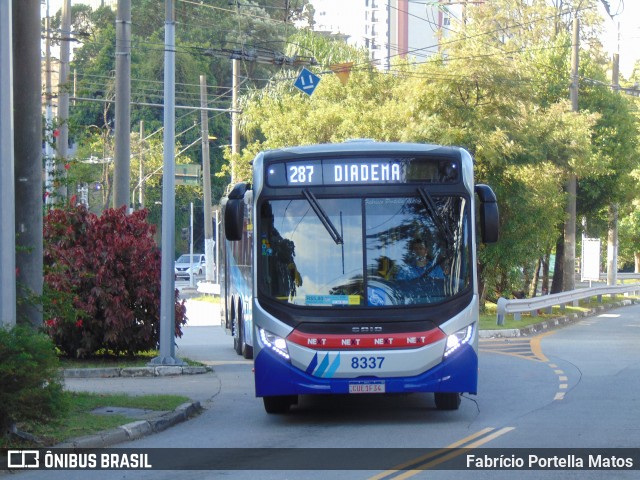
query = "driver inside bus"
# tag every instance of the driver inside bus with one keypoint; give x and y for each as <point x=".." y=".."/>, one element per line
<point x="420" y="262"/>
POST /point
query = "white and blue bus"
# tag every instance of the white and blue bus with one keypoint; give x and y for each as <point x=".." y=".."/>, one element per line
<point x="351" y="269"/>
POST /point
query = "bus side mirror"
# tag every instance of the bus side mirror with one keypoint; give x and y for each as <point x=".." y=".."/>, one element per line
<point x="234" y="213"/>
<point x="489" y="216"/>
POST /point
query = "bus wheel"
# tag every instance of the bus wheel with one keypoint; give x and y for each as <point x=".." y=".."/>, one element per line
<point x="237" y="334"/>
<point x="447" y="401"/>
<point x="242" y="348"/>
<point x="247" y="351"/>
<point x="279" y="403"/>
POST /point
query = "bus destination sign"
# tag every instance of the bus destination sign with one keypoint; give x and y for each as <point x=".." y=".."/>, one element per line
<point x="361" y="171"/>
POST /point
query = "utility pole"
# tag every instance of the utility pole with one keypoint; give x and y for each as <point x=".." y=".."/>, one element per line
<point x="49" y="164"/>
<point x="140" y="168"/>
<point x="612" y="235"/>
<point x="7" y="187"/>
<point x="62" y="141"/>
<point x="206" y="181"/>
<point x="167" y="280"/>
<point x="122" y="161"/>
<point x="191" y="274"/>
<point x="569" y="281"/>
<point x="235" y="136"/>
<point x="27" y="137"/>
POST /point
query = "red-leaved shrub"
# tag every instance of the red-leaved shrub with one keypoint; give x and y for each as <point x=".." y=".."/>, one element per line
<point x="102" y="282"/>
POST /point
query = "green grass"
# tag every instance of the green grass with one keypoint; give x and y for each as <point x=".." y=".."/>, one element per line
<point x="488" y="319"/>
<point x="104" y="359"/>
<point x="79" y="421"/>
<point x="208" y="298"/>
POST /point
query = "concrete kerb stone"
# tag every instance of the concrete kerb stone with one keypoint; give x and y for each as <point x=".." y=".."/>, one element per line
<point x="135" y="430"/>
<point x="136" y="372"/>
<point x="139" y="428"/>
<point x="159" y="371"/>
<point x="552" y="323"/>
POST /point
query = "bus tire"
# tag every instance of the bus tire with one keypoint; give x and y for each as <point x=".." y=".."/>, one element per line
<point x="237" y="331"/>
<point x="243" y="348"/>
<point x="279" y="403"/>
<point x="447" y="400"/>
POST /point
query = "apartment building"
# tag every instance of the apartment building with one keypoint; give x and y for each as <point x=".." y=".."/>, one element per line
<point x="389" y="28"/>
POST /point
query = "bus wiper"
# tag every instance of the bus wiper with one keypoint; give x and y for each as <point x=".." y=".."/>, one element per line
<point x="427" y="200"/>
<point x="324" y="218"/>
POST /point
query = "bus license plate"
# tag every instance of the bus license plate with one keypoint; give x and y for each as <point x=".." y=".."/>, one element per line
<point x="368" y="387"/>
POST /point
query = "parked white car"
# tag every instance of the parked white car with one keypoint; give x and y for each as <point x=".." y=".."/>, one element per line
<point x="184" y="262"/>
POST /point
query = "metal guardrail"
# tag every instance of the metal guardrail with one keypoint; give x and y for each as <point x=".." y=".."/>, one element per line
<point x="547" y="302"/>
<point x="622" y="276"/>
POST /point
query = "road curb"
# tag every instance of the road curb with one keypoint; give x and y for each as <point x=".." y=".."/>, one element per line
<point x="552" y="323"/>
<point x="135" y="430"/>
<point x="160" y="371"/>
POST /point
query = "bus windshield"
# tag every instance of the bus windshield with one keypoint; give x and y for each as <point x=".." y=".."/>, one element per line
<point x="364" y="252"/>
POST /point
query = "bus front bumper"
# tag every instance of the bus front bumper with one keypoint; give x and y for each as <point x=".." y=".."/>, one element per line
<point x="276" y="376"/>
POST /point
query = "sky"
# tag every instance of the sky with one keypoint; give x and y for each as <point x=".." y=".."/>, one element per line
<point x="628" y="20"/>
<point x="629" y="33"/>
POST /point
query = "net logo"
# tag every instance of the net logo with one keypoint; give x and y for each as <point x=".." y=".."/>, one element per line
<point x="23" y="459"/>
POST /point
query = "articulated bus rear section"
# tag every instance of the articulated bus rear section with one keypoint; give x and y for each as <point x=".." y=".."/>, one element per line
<point x="351" y="269"/>
<point x="236" y="279"/>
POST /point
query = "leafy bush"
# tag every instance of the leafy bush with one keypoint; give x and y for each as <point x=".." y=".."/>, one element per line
<point x="102" y="282"/>
<point x="30" y="386"/>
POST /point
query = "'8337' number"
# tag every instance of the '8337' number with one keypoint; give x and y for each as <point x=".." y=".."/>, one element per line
<point x="363" y="363"/>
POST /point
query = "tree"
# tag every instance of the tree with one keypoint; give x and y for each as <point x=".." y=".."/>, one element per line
<point x="524" y="145"/>
<point x="615" y="144"/>
<point x="32" y="387"/>
<point x="102" y="282"/>
<point x="207" y="34"/>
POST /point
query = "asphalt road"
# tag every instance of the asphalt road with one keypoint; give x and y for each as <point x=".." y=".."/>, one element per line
<point x="575" y="387"/>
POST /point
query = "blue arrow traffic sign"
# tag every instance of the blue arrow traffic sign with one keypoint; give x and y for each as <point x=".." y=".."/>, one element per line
<point x="307" y="81"/>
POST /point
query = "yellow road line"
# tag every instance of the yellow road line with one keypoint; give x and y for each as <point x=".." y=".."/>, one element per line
<point x="536" y="346"/>
<point x="432" y="454"/>
<point x="439" y="456"/>
<point x="523" y="355"/>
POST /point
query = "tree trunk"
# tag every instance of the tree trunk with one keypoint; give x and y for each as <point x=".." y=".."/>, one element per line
<point x="533" y="287"/>
<point x="556" y="285"/>
<point x="546" y="263"/>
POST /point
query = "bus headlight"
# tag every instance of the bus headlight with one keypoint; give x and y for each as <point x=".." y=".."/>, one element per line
<point x="275" y="343"/>
<point x="455" y="341"/>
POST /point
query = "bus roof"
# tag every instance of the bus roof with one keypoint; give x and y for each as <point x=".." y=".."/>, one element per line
<point x="359" y="146"/>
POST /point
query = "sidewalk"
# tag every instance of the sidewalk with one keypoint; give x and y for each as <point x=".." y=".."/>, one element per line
<point x="199" y="385"/>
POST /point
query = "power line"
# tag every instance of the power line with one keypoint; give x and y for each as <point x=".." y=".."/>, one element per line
<point x="145" y="104"/>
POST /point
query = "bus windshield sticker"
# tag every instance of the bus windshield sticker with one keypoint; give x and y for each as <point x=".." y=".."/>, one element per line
<point x="323" y="300"/>
<point x="267" y="251"/>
